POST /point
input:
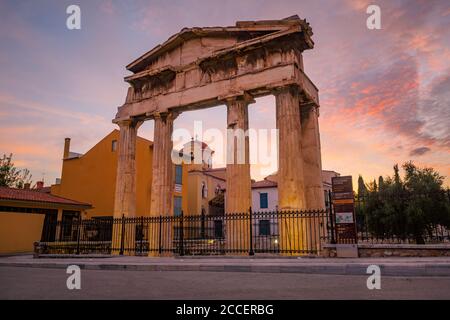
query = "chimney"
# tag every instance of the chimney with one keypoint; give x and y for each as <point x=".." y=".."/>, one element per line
<point x="39" y="184"/>
<point x="26" y="185"/>
<point x="66" y="148"/>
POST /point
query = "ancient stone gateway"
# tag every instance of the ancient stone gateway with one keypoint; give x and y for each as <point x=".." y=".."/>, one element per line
<point x="205" y="67"/>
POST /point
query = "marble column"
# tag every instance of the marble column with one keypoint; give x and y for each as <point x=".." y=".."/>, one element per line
<point x="238" y="198"/>
<point x="293" y="228"/>
<point x="162" y="180"/>
<point x="238" y="194"/>
<point x="290" y="165"/>
<point x="162" y="184"/>
<point x="312" y="162"/>
<point x="125" y="195"/>
<point x="312" y="169"/>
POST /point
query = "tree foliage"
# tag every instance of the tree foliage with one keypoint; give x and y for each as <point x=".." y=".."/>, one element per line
<point x="10" y="176"/>
<point x="410" y="208"/>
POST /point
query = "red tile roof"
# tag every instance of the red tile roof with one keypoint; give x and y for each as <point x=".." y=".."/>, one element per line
<point x="36" y="196"/>
<point x="264" y="184"/>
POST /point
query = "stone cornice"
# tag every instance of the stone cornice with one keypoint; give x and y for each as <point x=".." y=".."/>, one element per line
<point x="242" y="27"/>
<point x="164" y="73"/>
<point x="167" y="73"/>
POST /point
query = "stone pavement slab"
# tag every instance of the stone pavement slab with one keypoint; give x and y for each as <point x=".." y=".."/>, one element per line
<point x="393" y="266"/>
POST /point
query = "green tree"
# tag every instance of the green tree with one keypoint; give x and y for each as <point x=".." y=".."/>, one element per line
<point x="380" y="183"/>
<point x="397" y="179"/>
<point x="10" y="176"/>
<point x="360" y="212"/>
<point x="373" y="186"/>
<point x="362" y="189"/>
<point x="428" y="205"/>
<point x="413" y="207"/>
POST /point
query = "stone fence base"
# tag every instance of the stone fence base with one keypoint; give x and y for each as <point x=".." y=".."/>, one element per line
<point x="393" y="250"/>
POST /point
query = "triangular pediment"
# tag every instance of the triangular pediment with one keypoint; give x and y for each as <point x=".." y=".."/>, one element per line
<point x="190" y="43"/>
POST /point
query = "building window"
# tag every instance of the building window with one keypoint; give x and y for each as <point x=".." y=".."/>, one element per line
<point x="264" y="227"/>
<point x="178" y="174"/>
<point x="114" y="145"/>
<point x="263" y="200"/>
<point x="177" y="206"/>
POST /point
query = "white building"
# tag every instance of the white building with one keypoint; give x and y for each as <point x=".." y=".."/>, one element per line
<point x="265" y="192"/>
<point x="264" y="196"/>
<point x="265" y="200"/>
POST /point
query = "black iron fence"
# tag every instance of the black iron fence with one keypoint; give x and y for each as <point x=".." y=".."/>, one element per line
<point x="399" y="218"/>
<point x="287" y="232"/>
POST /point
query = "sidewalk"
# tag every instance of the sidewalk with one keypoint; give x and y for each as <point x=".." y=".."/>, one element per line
<point x="412" y="267"/>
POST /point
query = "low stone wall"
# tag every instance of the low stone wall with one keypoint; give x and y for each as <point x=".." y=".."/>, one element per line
<point x="393" y="250"/>
<point x="403" y="250"/>
<point x="328" y="251"/>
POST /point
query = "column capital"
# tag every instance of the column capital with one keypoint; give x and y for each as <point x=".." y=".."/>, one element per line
<point x="166" y="116"/>
<point x="128" y="122"/>
<point x="292" y="88"/>
<point x="309" y="107"/>
<point x="234" y="97"/>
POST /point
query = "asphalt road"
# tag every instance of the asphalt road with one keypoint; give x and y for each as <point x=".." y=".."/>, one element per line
<point x="42" y="283"/>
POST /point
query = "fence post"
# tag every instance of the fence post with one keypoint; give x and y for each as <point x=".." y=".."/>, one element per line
<point x="122" y="236"/>
<point x="181" y="235"/>
<point x="142" y="231"/>
<point x="251" y="252"/>
<point x="355" y="222"/>
<point x="160" y="235"/>
<point x="78" y="236"/>
<point x="330" y="204"/>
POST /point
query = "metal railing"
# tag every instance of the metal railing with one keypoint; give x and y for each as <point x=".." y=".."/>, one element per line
<point x="271" y="232"/>
<point x="285" y="233"/>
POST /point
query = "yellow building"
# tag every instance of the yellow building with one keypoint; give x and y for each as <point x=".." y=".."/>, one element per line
<point x="30" y="215"/>
<point x="91" y="177"/>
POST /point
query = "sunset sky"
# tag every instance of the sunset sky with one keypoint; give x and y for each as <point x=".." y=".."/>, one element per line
<point x="384" y="94"/>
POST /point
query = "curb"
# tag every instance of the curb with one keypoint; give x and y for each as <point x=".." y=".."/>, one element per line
<point x="417" y="270"/>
